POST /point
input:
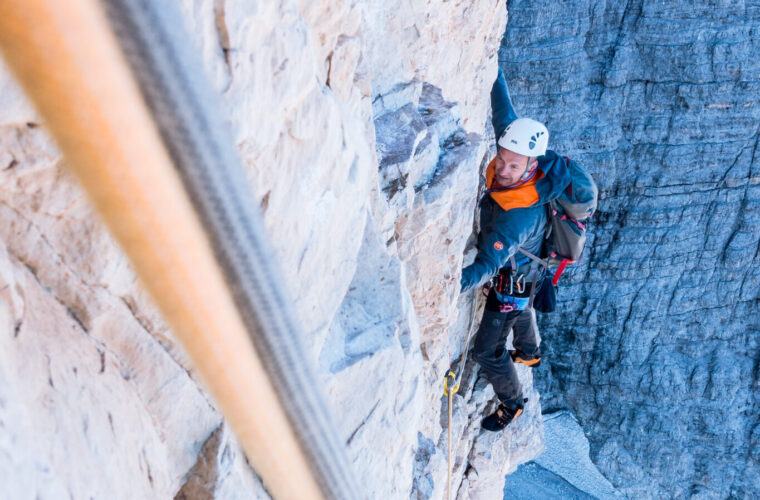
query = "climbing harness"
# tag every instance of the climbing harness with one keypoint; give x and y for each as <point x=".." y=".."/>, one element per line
<point x="511" y="286"/>
<point x="509" y="304"/>
<point x="451" y="384"/>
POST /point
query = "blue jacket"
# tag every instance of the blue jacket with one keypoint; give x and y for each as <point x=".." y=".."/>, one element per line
<point x="513" y="218"/>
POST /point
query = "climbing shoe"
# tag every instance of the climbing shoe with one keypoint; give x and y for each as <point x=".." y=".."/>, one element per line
<point x="502" y="416"/>
<point x="520" y="357"/>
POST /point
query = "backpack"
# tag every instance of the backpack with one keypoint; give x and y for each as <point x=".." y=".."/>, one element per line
<point x="566" y="234"/>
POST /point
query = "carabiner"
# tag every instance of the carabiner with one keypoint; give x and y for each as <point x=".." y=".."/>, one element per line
<point x="450" y="378"/>
<point x="521" y="283"/>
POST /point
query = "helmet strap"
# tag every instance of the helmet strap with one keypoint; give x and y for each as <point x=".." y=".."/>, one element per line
<point x="528" y="170"/>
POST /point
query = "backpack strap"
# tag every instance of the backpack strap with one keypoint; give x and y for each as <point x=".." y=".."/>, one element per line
<point x="534" y="258"/>
<point x="534" y="268"/>
<point x="545" y="264"/>
<point x="550" y="211"/>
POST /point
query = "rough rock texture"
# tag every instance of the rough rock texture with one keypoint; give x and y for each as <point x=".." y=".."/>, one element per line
<point x="363" y="128"/>
<point x="89" y="369"/>
<point x="656" y="347"/>
<point x="564" y="470"/>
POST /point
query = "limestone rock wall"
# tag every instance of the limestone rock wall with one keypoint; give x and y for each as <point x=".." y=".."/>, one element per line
<point x="363" y="128"/>
<point x="656" y="344"/>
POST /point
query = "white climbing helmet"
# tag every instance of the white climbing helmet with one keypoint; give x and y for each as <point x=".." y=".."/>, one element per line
<point x="526" y="137"/>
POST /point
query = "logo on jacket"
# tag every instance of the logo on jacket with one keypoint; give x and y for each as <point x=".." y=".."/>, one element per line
<point x="498" y="245"/>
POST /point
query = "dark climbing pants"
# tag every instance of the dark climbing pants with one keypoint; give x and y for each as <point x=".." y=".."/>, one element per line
<point x="491" y="352"/>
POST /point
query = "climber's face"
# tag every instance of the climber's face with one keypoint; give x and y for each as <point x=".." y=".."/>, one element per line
<point x="511" y="166"/>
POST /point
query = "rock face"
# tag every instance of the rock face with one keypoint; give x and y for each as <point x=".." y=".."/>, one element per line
<point x="564" y="470"/>
<point x="363" y="128"/>
<point x="656" y="347"/>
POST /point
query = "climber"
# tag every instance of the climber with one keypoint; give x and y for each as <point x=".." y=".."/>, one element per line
<point x="522" y="178"/>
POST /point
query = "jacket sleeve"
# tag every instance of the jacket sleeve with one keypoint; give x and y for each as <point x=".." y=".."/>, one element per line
<point x="496" y="249"/>
<point x="502" y="111"/>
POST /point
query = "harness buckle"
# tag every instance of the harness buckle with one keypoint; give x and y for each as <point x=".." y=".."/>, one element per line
<point x="505" y="308"/>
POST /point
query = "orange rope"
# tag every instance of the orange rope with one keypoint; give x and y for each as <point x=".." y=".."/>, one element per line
<point x="69" y="62"/>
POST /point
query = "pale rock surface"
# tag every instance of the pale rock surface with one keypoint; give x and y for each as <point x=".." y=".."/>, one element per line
<point x="88" y="359"/>
<point x="363" y="129"/>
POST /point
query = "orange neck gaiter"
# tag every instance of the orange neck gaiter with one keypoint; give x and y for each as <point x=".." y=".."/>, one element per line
<point x="520" y="196"/>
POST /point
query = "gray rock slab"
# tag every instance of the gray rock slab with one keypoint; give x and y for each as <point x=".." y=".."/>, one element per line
<point x="567" y="458"/>
<point x="533" y="482"/>
<point x="655" y="344"/>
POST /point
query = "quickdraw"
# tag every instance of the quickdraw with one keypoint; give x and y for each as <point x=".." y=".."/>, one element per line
<point x="520" y="282"/>
<point x="513" y="283"/>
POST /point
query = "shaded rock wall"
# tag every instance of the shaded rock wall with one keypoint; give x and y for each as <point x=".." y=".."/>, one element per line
<point x="657" y="343"/>
<point x="362" y="127"/>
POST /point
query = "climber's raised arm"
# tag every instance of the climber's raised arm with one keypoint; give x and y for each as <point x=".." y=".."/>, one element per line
<point x="503" y="113"/>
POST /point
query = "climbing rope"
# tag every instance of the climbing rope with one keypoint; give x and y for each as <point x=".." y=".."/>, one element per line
<point x="188" y="115"/>
<point x="448" y="470"/>
<point x="456" y="378"/>
<point x="150" y="147"/>
<point x="451" y="385"/>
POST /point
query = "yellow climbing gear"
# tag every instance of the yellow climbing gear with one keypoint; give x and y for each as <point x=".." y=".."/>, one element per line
<point x="450" y="380"/>
<point x="451" y="383"/>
